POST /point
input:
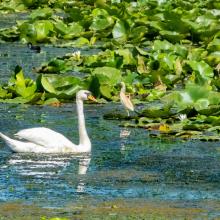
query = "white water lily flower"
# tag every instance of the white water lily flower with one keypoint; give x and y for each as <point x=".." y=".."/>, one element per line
<point x="182" y="117"/>
<point x="77" y="54"/>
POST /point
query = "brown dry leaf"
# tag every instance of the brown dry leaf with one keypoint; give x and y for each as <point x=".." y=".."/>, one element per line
<point x="56" y="104"/>
<point x="159" y="85"/>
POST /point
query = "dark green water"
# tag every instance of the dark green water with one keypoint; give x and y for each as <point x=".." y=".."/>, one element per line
<point x="124" y="163"/>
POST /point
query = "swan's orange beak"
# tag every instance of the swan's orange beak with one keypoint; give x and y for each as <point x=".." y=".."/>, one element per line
<point x="92" y="98"/>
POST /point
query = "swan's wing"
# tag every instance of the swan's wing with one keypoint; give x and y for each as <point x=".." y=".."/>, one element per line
<point x="44" y="137"/>
<point x="126" y="102"/>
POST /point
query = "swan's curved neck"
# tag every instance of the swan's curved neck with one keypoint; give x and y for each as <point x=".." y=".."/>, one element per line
<point x="83" y="136"/>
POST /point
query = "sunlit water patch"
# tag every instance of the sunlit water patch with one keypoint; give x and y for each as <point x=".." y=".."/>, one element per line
<point x="124" y="163"/>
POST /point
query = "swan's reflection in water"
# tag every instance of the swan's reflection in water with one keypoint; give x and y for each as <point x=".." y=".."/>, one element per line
<point x="49" y="168"/>
<point x="82" y="170"/>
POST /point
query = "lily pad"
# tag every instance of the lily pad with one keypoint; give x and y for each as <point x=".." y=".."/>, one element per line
<point x="119" y="31"/>
<point x="39" y="31"/>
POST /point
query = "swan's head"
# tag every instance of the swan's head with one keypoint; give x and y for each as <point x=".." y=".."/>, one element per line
<point x="85" y="95"/>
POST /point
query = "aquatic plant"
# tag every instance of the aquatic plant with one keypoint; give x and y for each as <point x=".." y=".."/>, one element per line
<point x="165" y="51"/>
<point x="45" y="90"/>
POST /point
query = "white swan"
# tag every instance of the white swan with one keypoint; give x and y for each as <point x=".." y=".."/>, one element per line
<point x="45" y="140"/>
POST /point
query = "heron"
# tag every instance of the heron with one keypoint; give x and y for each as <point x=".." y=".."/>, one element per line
<point x="126" y="99"/>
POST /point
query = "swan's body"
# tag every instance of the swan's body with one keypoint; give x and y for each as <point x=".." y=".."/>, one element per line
<point x="125" y="100"/>
<point x="45" y="140"/>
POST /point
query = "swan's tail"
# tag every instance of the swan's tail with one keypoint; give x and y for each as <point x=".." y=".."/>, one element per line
<point x="10" y="142"/>
<point x="17" y="146"/>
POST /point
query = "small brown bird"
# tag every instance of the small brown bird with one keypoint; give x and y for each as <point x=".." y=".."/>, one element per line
<point x="125" y="99"/>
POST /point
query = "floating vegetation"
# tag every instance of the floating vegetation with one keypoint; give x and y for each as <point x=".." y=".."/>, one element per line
<point x="166" y="52"/>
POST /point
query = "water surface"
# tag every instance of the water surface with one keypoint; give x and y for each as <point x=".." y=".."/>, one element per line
<point x="124" y="165"/>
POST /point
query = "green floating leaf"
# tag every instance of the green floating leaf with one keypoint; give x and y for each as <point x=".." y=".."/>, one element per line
<point x="101" y="20"/>
<point x="119" y="31"/>
<point x="201" y="104"/>
<point x="194" y="96"/>
<point x="41" y="13"/>
<point x="55" y="66"/>
<point x="196" y="126"/>
<point x="197" y="92"/>
<point x="43" y="29"/>
<point x="214" y="120"/>
<point x="81" y="41"/>
<point x="74" y="13"/>
<point x="60" y="86"/>
<point x="211" y="110"/>
<point x="137" y="33"/>
<point x="214" y="45"/>
<point x="105" y="90"/>
<point x="21" y="100"/>
<point x="105" y="78"/>
<point x="61" y="28"/>
<point x="162" y="45"/>
<point x="47" y="85"/>
<point x="172" y="36"/>
<point x="23" y="87"/>
<point x="39" y="31"/>
<point x="107" y="75"/>
<point x="213" y="59"/>
<point x="158" y="111"/>
<point x="127" y="55"/>
<point x="203" y="69"/>
<point x="73" y="30"/>
<point x="28" y="3"/>
<point x="51" y="101"/>
<point x="4" y="94"/>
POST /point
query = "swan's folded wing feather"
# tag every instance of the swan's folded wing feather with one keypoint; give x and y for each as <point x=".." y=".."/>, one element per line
<point x="44" y="137"/>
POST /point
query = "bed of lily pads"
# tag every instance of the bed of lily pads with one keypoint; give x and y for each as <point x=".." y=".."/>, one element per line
<point x="167" y="53"/>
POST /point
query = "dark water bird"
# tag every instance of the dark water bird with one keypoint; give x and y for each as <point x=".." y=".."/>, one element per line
<point x="35" y="48"/>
